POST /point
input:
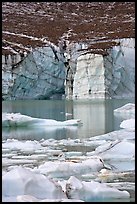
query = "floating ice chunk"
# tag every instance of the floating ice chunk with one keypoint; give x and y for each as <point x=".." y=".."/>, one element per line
<point x="110" y="176"/>
<point x="26" y="146"/>
<point x="115" y="135"/>
<point x="26" y="198"/>
<point x="116" y="150"/>
<point x="29" y="198"/>
<point x="8" y="162"/>
<point x="122" y="185"/>
<point x="73" y="153"/>
<point x="122" y="165"/>
<point x="17" y="119"/>
<point x="8" y="199"/>
<point x="92" y="191"/>
<point x="22" y="181"/>
<point x="126" y="111"/>
<point x="68" y="114"/>
<point x="105" y="147"/>
<point x="128" y="124"/>
<point x="67" y="168"/>
<point x="128" y="108"/>
<point x="50" y="122"/>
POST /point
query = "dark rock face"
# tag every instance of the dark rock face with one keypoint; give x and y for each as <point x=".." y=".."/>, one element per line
<point x="89" y="22"/>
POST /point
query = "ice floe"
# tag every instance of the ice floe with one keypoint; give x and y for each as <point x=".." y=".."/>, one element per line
<point x="116" y="150"/>
<point x="125" y="112"/>
<point x="14" y="144"/>
<point x="128" y="134"/>
<point x="64" y="169"/>
<point x="17" y="119"/>
<point x="28" y="198"/>
<point x="128" y="124"/>
<point x="92" y="190"/>
<point x="21" y="181"/>
<point x="50" y="170"/>
<point x="106" y="175"/>
<point x="22" y="185"/>
<point x="126" y="109"/>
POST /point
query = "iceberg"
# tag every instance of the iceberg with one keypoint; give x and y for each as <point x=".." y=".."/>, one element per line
<point x="22" y="181"/>
<point x="95" y="191"/>
<point x="64" y="169"/>
<point x="128" y="124"/>
<point x="17" y="119"/>
<point x="44" y="171"/>
<point x="116" y="150"/>
<point x="29" y="198"/>
<point x="127" y="111"/>
<point x="115" y="135"/>
<point x="23" y="185"/>
<point x="128" y="108"/>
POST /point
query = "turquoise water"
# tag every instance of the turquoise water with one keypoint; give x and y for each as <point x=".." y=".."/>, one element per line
<point x="97" y="117"/>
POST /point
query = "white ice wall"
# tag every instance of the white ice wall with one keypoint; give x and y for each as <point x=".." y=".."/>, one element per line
<point x="89" y="77"/>
<point x="111" y="76"/>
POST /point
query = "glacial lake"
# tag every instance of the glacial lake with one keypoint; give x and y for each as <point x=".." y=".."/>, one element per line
<point x="97" y="116"/>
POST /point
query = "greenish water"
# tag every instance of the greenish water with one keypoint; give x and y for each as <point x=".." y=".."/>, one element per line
<point x="96" y="115"/>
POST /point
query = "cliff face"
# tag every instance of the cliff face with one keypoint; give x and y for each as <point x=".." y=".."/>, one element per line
<point x="122" y="80"/>
<point x="108" y="76"/>
<point x="39" y="76"/>
<point x="48" y="73"/>
<point x="80" y="49"/>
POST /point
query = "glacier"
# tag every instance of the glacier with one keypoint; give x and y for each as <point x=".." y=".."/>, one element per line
<point x="74" y="73"/>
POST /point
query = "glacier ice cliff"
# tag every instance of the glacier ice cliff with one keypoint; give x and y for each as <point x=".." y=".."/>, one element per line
<point x="76" y="72"/>
<point x="39" y="75"/>
<point x="108" y="76"/>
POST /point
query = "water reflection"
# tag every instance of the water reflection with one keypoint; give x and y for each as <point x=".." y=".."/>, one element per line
<point x="96" y="115"/>
<point x="56" y="133"/>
